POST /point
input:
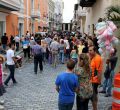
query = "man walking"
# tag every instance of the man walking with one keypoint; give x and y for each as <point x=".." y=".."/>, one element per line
<point x="4" y="41"/>
<point x="96" y="68"/>
<point x="11" y="64"/>
<point x="54" y="47"/>
<point x="67" y="85"/>
<point x="37" y="52"/>
<point x="17" y="42"/>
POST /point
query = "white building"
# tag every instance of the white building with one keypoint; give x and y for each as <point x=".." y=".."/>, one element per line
<point x="90" y="11"/>
<point x="51" y="10"/>
<point x="58" y="16"/>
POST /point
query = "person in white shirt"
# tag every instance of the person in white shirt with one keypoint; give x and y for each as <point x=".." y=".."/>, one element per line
<point x="17" y="42"/>
<point x="11" y="64"/>
<point x="67" y="54"/>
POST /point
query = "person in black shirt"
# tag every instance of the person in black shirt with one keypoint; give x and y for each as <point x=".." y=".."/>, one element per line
<point x="4" y="41"/>
<point x="111" y="64"/>
<point x="12" y="41"/>
<point x="94" y="38"/>
<point x="85" y="49"/>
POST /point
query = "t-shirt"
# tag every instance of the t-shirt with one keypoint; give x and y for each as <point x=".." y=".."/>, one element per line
<point x="96" y="64"/>
<point x="62" y="46"/>
<point x="67" y="44"/>
<point x="10" y="55"/>
<point x="17" y="39"/>
<point x="25" y="44"/>
<point x="80" y="48"/>
<point x="67" y="83"/>
<point x="54" y="46"/>
<point x="113" y="62"/>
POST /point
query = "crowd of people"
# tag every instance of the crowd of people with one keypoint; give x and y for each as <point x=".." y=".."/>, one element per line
<point x="79" y="53"/>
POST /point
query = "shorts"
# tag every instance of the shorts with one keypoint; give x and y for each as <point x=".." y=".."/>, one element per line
<point x="95" y="91"/>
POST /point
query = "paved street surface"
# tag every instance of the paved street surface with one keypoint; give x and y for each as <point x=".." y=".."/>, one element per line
<point x="37" y="92"/>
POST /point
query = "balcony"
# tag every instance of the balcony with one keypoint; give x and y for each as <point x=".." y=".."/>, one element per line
<point x="10" y="5"/>
<point x="35" y="13"/>
<point x="87" y="3"/>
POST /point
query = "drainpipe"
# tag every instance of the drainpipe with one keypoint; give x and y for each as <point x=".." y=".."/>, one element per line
<point x="27" y="16"/>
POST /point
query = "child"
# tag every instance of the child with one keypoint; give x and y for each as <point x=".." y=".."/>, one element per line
<point x="2" y="89"/>
<point x="67" y="85"/>
<point x="74" y="54"/>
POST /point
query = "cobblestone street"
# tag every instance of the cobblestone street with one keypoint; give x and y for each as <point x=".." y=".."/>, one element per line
<point x="37" y="92"/>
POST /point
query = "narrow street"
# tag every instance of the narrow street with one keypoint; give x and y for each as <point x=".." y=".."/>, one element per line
<point x="37" y="92"/>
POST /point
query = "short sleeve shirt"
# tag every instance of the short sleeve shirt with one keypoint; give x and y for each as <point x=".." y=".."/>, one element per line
<point x="10" y="55"/>
<point x="67" y="83"/>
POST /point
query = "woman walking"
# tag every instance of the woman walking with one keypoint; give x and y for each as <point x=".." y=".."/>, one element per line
<point x="86" y="91"/>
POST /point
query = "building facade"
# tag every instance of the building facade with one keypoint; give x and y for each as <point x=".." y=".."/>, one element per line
<point x="90" y="11"/>
<point x="19" y="16"/>
<point x="58" y="14"/>
<point x="8" y="20"/>
<point x="51" y="10"/>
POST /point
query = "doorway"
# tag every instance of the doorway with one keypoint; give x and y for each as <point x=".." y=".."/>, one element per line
<point x="20" y="29"/>
<point x="1" y="29"/>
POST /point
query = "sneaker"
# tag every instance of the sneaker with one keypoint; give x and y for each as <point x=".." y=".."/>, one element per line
<point x="2" y="107"/>
<point x="5" y="84"/>
<point x="15" y="83"/>
<point x="2" y="102"/>
<point x="103" y="92"/>
<point x="35" y="72"/>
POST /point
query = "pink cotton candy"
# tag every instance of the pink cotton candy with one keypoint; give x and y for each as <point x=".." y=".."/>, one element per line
<point x="112" y="50"/>
<point x="100" y="50"/>
<point x="108" y="48"/>
<point x="107" y="43"/>
<point x="112" y="25"/>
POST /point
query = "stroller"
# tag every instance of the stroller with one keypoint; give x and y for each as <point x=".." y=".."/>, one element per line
<point x="19" y="61"/>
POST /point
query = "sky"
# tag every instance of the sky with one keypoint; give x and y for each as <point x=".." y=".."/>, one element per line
<point x="68" y="10"/>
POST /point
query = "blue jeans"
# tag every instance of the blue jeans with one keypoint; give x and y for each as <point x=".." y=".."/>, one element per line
<point x="110" y="82"/>
<point x="4" y="46"/>
<point x="68" y="106"/>
<point x="105" y="84"/>
<point x="61" y="54"/>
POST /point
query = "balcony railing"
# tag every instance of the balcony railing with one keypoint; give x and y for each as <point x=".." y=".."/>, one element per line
<point x="87" y="3"/>
<point x="11" y="5"/>
<point x="35" y="13"/>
